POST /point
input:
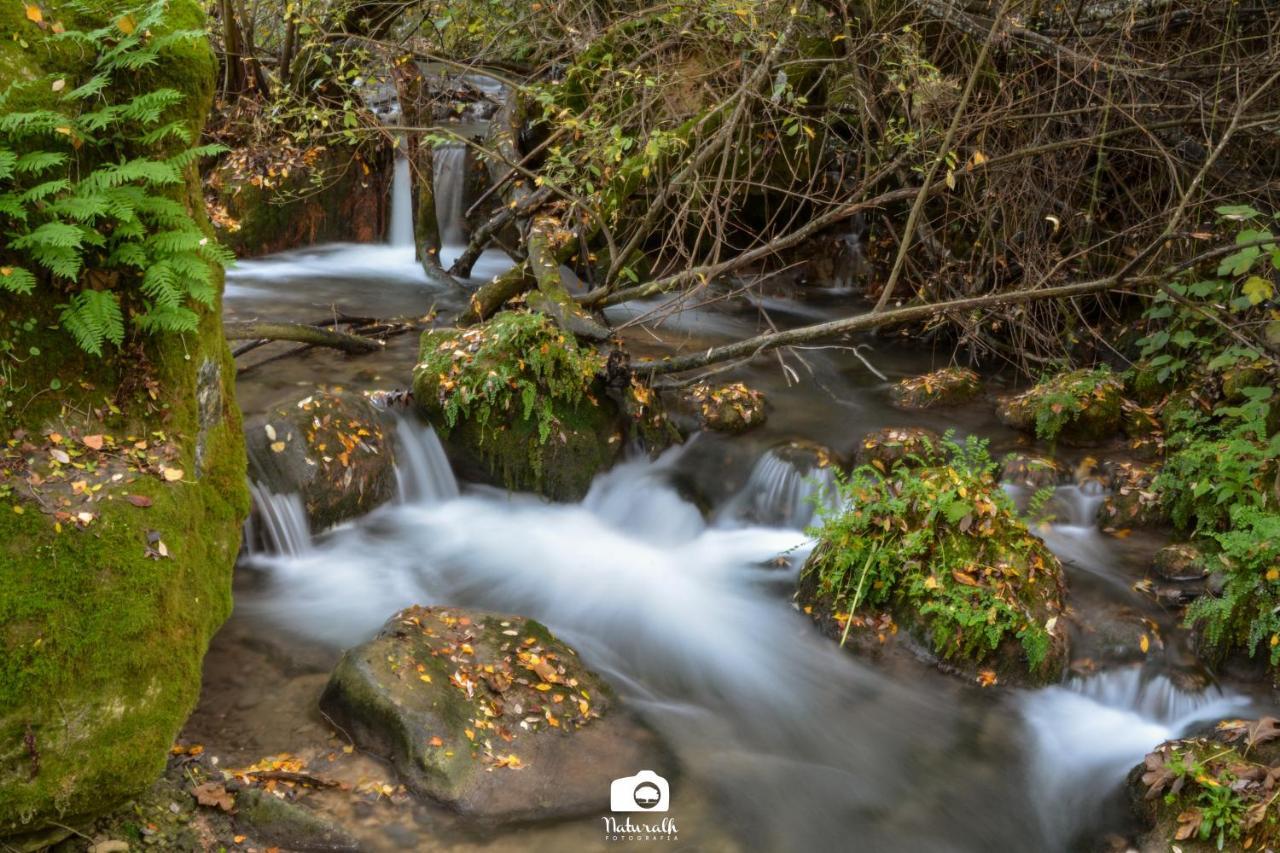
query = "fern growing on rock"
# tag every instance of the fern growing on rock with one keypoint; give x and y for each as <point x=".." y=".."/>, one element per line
<point x="90" y="178"/>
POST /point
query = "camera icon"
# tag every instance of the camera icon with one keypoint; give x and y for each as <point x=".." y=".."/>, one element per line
<point x="644" y="792"/>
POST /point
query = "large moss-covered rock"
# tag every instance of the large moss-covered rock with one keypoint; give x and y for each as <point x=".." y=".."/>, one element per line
<point x="122" y="492"/>
<point x="1079" y="407"/>
<point x="939" y="552"/>
<point x="891" y="446"/>
<point x="522" y="404"/>
<point x="488" y="714"/>
<point x="331" y="448"/>
<point x="731" y="408"/>
<point x="280" y="197"/>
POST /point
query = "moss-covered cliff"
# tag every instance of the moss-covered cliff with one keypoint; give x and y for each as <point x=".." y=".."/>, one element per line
<point x="122" y="491"/>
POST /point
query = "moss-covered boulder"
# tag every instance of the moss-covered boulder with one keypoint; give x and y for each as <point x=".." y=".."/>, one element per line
<point x="331" y="448"/>
<point x="1214" y="791"/>
<point x="1181" y="561"/>
<point x="730" y="408"/>
<point x="122" y="493"/>
<point x="488" y="714"/>
<point x="939" y="552"/>
<point x="949" y="386"/>
<point x="522" y="404"/>
<point x="276" y="196"/>
<point x="891" y="446"/>
<point x="1080" y="407"/>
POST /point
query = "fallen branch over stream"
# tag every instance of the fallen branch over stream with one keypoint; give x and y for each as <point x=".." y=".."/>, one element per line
<point x="300" y="333"/>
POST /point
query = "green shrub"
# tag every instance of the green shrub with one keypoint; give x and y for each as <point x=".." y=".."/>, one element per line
<point x="942" y="543"/>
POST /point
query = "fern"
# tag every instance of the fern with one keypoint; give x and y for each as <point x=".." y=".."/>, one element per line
<point x="93" y="317"/>
<point x="89" y="181"/>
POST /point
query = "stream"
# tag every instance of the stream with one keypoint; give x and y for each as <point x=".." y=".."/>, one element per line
<point x="674" y="578"/>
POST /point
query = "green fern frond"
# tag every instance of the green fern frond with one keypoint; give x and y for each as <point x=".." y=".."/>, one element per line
<point x="93" y="86"/>
<point x="93" y="317"/>
<point x="42" y="191"/>
<point x="173" y="130"/>
<point x="168" y="319"/>
<point x="38" y="161"/>
<point x="17" y="280"/>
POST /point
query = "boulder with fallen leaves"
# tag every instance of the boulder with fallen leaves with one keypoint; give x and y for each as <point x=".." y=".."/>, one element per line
<point x="949" y="386"/>
<point x="488" y="714"/>
<point x="332" y="448"/>
<point x="885" y="448"/>
<point x="1216" y="790"/>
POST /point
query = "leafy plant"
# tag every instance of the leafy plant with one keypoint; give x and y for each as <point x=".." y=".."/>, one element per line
<point x="942" y="542"/>
<point x="1217" y="464"/>
<point x="1247" y="613"/>
<point x="91" y="169"/>
<point x="517" y="365"/>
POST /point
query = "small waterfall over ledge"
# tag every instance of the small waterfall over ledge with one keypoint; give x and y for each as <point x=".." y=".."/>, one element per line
<point x="784" y="489"/>
<point x="448" y="166"/>
<point x="401" y="231"/>
<point x="423" y="474"/>
<point x="283" y="522"/>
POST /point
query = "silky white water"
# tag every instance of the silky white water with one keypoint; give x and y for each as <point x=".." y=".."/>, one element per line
<point x="692" y="621"/>
<point x="401" y="231"/>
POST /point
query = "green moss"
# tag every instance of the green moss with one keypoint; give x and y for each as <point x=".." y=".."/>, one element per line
<point x="941" y="550"/>
<point x="100" y="643"/>
<point x="946" y="387"/>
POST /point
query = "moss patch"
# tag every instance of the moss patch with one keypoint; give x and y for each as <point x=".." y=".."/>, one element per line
<point x="947" y="387"/>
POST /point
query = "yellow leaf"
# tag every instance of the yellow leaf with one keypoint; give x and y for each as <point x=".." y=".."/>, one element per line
<point x="1273" y="573"/>
<point x="34" y="15"/>
<point x="425" y="677"/>
<point x="1144" y="644"/>
<point x="277" y="446"/>
<point x="59" y="84"/>
<point x="979" y="158"/>
<point x="951" y="179"/>
<point x="171" y="474"/>
<point x="127" y="24"/>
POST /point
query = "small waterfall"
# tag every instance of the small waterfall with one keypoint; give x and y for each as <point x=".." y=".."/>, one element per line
<point x="1089" y="732"/>
<point x="284" y="522"/>
<point x="1078" y="506"/>
<point x="782" y="490"/>
<point x="401" y="204"/>
<point x="448" y="181"/>
<point x="423" y="474"/>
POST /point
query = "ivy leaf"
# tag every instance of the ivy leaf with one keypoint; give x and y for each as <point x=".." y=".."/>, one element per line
<point x="1257" y="289"/>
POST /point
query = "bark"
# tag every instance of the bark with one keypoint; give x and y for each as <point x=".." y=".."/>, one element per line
<point x="253" y="331"/>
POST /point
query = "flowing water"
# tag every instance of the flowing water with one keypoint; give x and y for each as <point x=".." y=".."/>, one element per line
<point x="674" y="577"/>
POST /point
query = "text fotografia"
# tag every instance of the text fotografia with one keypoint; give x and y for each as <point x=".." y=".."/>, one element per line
<point x="629" y="830"/>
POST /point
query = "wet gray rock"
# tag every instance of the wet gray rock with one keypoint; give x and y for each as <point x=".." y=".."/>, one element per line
<point x="488" y="714"/>
<point x="276" y="821"/>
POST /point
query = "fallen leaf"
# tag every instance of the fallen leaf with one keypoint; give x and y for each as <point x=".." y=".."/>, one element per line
<point x="277" y="446"/>
<point x="127" y="25"/>
<point x="59" y="85"/>
<point x="34" y="15"/>
<point x="171" y="474"/>
<point x="60" y="455"/>
<point x="139" y="500"/>
<point x="93" y="442"/>
<point x="214" y="794"/>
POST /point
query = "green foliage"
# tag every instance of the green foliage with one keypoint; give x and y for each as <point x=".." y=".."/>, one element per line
<point x="1247" y="613"/>
<point x="942" y="542"/>
<point x="1216" y="464"/>
<point x="89" y="173"/>
<point x="518" y="365"/>
<point x="1196" y="323"/>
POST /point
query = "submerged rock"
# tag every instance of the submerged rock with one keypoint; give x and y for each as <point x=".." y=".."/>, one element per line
<point x="939" y="551"/>
<point x="1079" y="407"/>
<point x="946" y="387"/>
<point x="331" y="448"/>
<point x="273" y="820"/>
<point x="488" y="714"/>
<point x="887" y="447"/>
